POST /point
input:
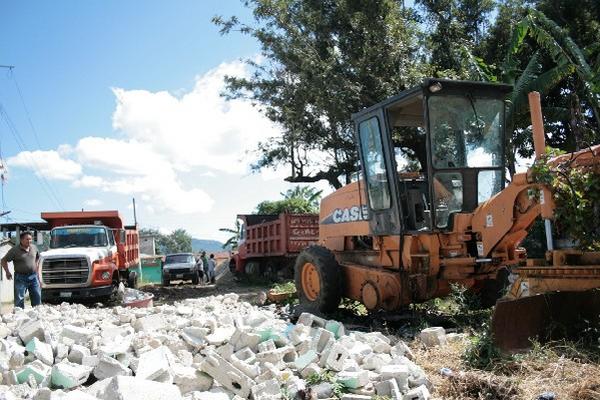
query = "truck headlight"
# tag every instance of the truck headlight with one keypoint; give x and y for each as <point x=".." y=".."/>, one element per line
<point x="105" y="275"/>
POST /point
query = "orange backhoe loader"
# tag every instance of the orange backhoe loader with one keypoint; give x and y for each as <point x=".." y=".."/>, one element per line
<point x="408" y="236"/>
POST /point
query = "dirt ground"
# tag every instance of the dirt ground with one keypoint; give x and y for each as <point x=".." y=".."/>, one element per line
<point x="225" y="283"/>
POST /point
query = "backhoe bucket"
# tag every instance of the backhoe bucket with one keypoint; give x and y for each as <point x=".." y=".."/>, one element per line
<point x="543" y="317"/>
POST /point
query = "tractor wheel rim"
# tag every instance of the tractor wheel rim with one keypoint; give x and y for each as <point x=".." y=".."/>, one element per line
<point x="311" y="283"/>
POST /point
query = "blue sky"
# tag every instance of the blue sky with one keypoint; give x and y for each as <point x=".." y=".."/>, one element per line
<point x="124" y="98"/>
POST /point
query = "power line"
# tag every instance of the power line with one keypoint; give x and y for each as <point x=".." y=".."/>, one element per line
<point x="38" y="174"/>
<point x="35" y="135"/>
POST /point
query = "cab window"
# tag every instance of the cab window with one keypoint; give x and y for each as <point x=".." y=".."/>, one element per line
<point x="372" y="149"/>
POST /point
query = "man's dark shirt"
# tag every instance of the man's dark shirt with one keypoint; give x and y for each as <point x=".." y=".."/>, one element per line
<point x="23" y="261"/>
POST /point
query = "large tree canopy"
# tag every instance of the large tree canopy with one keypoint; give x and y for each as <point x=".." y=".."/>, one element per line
<point x="324" y="60"/>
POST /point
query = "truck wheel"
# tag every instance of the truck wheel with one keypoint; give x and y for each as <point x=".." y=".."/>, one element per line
<point x="196" y="278"/>
<point x="317" y="277"/>
<point x="132" y="279"/>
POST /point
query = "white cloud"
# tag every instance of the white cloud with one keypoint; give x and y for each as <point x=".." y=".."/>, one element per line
<point x="48" y="164"/>
<point x="197" y="129"/>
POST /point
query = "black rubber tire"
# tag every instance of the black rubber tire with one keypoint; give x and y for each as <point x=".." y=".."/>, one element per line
<point x="132" y="280"/>
<point x="330" y="292"/>
<point x="112" y="299"/>
<point x="166" y="281"/>
<point x="196" y="278"/>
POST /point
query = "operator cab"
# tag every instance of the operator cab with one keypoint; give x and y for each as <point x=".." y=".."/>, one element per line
<point x="431" y="152"/>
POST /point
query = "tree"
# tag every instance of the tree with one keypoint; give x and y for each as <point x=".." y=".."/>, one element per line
<point x="234" y="239"/>
<point x="553" y="62"/>
<point x="178" y="241"/>
<point x="310" y="194"/>
<point x="324" y="60"/>
<point x="182" y="241"/>
<point x="454" y="26"/>
<point x="300" y="199"/>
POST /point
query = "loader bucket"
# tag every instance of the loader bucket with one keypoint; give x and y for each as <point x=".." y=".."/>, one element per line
<point x="548" y="316"/>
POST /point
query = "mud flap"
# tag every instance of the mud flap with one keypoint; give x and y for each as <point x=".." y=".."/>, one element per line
<point x="543" y="317"/>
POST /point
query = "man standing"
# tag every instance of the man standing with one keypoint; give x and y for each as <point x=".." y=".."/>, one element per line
<point x="205" y="266"/>
<point x="212" y="264"/>
<point x="25" y="258"/>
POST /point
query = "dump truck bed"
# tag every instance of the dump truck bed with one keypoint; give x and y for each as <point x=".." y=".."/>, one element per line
<point x="279" y="235"/>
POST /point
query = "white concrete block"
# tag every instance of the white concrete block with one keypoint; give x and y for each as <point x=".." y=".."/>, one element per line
<point x="311" y="369"/>
<point x="62" y="351"/>
<point x="434" y="336"/>
<point x="353" y="379"/>
<point x="267" y="345"/>
<point x="77" y="353"/>
<point x="336" y="357"/>
<point x="401" y="349"/>
<point x="90" y="361"/>
<point x="150" y="323"/>
<point x="16" y="360"/>
<point x="320" y="339"/>
<point x="68" y="375"/>
<point x="397" y="372"/>
<point x="220" y="335"/>
<point x="306" y="359"/>
<point x="375" y="361"/>
<point x="388" y="388"/>
<point x="131" y="388"/>
<point x="78" y="334"/>
<point x="226" y="351"/>
<point x="30" y="330"/>
<point x="194" y="336"/>
<point x="267" y="389"/>
<point x="189" y="379"/>
<point x="153" y="363"/>
<point x="108" y="367"/>
<point x="282" y="354"/>
<point x="226" y="374"/>
<point x="42" y="351"/>
<point x="418" y="393"/>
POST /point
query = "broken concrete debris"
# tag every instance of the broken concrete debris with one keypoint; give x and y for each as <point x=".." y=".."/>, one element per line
<point x="208" y="348"/>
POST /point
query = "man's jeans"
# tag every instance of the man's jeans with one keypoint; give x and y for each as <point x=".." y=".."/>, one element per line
<point x="27" y="282"/>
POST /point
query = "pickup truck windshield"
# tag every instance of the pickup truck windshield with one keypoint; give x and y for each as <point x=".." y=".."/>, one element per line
<point x="179" y="258"/>
<point x="78" y="237"/>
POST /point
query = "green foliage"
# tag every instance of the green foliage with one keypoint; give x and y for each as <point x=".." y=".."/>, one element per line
<point x="178" y="241"/>
<point x="481" y="352"/>
<point x="327" y="376"/>
<point x="285" y="287"/>
<point x="324" y="60"/>
<point x="576" y="193"/>
<point x="301" y="199"/>
<point x="232" y="242"/>
<point x="355" y="307"/>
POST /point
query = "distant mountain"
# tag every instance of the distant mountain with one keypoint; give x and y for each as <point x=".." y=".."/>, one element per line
<point x="207" y="245"/>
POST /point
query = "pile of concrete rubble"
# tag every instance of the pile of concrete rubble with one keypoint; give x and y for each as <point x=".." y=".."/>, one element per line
<point x="208" y="348"/>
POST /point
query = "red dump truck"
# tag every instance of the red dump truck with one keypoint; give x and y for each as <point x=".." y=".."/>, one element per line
<point x="269" y="243"/>
<point x="90" y="253"/>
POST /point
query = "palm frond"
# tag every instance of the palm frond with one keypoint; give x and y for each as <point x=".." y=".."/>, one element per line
<point x="522" y="86"/>
<point x="510" y="64"/>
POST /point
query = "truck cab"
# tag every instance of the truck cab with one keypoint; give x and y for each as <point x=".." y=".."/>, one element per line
<point x="430" y="153"/>
<point x="89" y="254"/>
